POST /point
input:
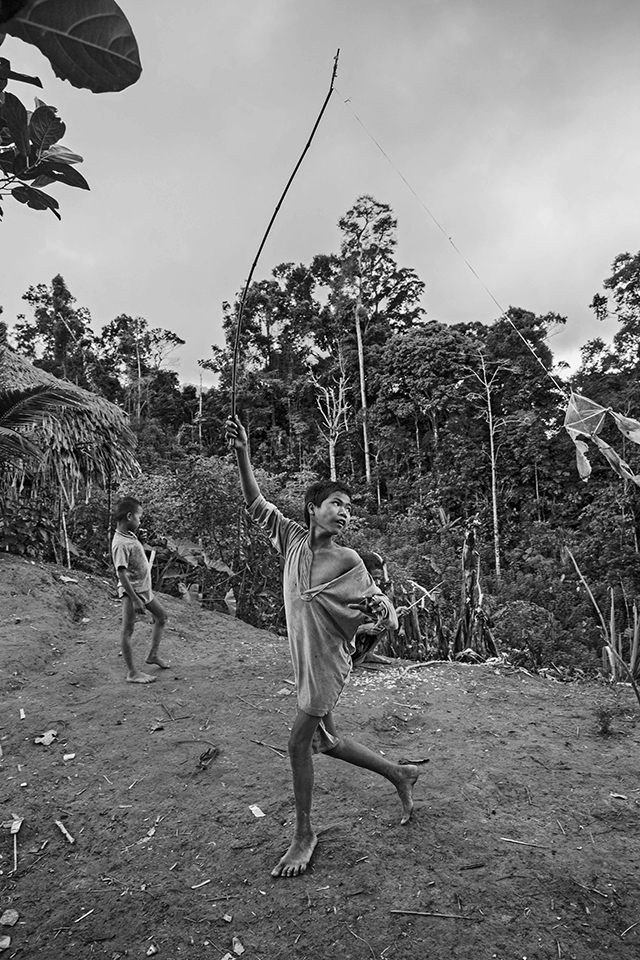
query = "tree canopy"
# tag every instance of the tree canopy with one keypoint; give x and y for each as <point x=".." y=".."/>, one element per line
<point x="439" y="428"/>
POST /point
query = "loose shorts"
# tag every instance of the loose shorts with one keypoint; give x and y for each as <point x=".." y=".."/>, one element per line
<point x="323" y="741"/>
<point x="145" y="595"/>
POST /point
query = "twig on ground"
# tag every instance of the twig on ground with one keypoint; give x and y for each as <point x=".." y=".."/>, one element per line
<point x="630" y="928"/>
<point x="362" y="940"/>
<point x="64" y="830"/>
<point x="424" y="663"/>
<point x="254" y="705"/>
<point x="197" y="740"/>
<point x="206" y="758"/>
<point x="445" y="916"/>
<point x="261" y="743"/>
<point x="84" y="915"/>
<point x="111" y="879"/>
<point x="591" y="889"/>
<point x="526" y="843"/>
<point x="15" y="829"/>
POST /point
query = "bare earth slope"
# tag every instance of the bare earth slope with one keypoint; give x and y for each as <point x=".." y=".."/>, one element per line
<point x="169" y="858"/>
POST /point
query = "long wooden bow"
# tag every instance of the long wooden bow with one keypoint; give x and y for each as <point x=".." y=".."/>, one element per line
<point x="236" y="345"/>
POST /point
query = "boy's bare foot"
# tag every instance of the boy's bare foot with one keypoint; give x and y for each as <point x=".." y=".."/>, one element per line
<point x="137" y="676"/>
<point x="296" y="859"/>
<point x="159" y="662"/>
<point x="405" y="786"/>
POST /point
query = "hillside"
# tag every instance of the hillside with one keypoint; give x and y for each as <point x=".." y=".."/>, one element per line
<point x="525" y="839"/>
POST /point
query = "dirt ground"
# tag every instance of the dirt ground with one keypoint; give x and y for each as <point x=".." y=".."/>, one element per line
<point x="525" y="840"/>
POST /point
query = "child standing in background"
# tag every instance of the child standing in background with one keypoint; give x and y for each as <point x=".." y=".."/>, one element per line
<point x="134" y="587"/>
<point x="368" y="635"/>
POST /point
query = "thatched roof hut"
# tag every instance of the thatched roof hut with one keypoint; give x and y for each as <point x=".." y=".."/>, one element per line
<point x="82" y="445"/>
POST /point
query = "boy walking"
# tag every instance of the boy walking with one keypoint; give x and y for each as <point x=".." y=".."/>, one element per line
<point x="325" y="585"/>
<point x="134" y="587"/>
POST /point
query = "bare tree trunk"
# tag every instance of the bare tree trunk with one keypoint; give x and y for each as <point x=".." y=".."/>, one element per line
<point x="473" y="630"/>
<point x="418" y="460"/>
<point x="363" y="393"/>
<point x="200" y="416"/>
<point x="332" y="403"/>
<point x="494" y="472"/>
<point x="139" y="400"/>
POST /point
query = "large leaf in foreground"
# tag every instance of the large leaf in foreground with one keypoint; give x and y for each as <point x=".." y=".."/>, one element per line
<point x="9" y="8"/>
<point x="90" y="43"/>
<point x="17" y="120"/>
<point x="58" y="152"/>
<point x="45" y="127"/>
<point x="36" y="199"/>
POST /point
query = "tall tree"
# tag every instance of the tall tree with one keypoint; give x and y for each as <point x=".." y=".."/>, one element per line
<point x="610" y="373"/>
<point x="58" y="338"/>
<point x="421" y="414"/>
<point x="275" y="346"/>
<point x="136" y="352"/>
<point x="331" y="400"/>
<point x="368" y="294"/>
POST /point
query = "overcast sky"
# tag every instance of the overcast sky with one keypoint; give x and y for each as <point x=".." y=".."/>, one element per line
<point x="514" y="121"/>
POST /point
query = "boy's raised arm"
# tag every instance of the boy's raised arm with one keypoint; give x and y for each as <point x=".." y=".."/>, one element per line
<point x="237" y="438"/>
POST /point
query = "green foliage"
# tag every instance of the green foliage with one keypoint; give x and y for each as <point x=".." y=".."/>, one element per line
<point x="89" y="531"/>
<point x="31" y="156"/>
<point x="604" y="714"/>
<point x="27" y="529"/>
<point x="91" y="45"/>
<point x="200" y="502"/>
<point x="435" y="396"/>
<point x="532" y="637"/>
<point x="133" y="353"/>
<point x="609" y="373"/>
<point x="58" y="337"/>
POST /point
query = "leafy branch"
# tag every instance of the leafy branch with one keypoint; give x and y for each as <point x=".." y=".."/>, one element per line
<point x="31" y="156"/>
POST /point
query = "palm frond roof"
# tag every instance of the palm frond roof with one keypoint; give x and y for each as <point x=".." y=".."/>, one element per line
<point x="84" y="444"/>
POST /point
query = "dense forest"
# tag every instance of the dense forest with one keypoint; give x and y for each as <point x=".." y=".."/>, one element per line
<point x="451" y="436"/>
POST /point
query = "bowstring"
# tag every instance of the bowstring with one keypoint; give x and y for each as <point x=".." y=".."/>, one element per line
<point x="503" y="312"/>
